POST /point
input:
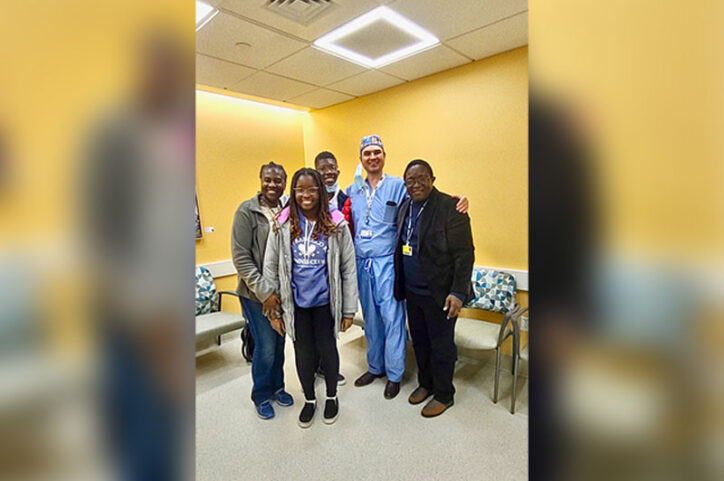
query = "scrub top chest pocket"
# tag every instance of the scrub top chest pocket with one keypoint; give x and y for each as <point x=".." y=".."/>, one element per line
<point x="390" y="212"/>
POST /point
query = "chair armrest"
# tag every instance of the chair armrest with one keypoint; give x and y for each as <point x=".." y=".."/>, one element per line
<point x="502" y="334"/>
<point x="515" y="316"/>
<point x="231" y="293"/>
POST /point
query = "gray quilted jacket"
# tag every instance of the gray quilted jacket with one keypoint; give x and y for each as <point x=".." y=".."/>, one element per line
<point x="341" y="266"/>
<point x="248" y="241"/>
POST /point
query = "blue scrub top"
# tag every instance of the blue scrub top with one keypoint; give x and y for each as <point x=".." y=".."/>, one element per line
<point x="382" y="217"/>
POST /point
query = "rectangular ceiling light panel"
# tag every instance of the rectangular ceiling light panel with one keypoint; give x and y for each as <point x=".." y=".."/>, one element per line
<point x="329" y="42"/>
<point x="204" y="14"/>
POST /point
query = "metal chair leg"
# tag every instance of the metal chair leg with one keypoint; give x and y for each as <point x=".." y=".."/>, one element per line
<point x="516" y="362"/>
<point x="497" y="374"/>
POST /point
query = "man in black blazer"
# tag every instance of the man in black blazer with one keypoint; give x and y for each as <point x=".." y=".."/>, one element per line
<point x="434" y="258"/>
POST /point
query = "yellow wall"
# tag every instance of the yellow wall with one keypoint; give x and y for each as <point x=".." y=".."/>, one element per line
<point x="233" y="139"/>
<point x="470" y="123"/>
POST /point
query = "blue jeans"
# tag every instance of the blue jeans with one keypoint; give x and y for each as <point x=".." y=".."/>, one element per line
<point x="267" y="363"/>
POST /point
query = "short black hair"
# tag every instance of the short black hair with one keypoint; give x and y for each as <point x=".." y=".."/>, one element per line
<point x="418" y="162"/>
<point x="324" y="155"/>
<point x="272" y="165"/>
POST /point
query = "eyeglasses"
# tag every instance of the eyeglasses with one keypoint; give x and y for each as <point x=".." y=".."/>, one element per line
<point x="417" y="180"/>
<point x="308" y="190"/>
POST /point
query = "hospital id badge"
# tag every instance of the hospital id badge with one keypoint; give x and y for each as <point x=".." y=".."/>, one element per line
<point x="365" y="234"/>
<point x="407" y="250"/>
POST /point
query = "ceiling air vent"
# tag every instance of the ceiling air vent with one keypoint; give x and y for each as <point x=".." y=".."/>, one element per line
<point x="301" y="11"/>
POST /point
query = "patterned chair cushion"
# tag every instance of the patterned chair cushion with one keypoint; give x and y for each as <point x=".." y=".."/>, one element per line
<point x="207" y="299"/>
<point x="493" y="290"/>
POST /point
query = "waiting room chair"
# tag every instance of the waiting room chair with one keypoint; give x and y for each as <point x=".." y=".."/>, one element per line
<point x="494" y="291"/>
<point x="211" y="321"/>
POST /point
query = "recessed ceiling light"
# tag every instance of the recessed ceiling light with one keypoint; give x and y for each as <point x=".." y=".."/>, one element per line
<point x="423" y="39"/>
<point x="204" y="14"/>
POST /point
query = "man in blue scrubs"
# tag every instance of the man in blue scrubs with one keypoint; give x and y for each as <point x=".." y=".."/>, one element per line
<point x="374" y="211"/>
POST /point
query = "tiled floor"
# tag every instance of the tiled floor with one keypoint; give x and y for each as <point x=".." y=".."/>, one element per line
<point x="374" y="438"/>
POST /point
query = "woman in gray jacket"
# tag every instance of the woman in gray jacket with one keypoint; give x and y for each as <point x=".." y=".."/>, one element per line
<point x="252" y="222"/>
<point x="310" y="263"/>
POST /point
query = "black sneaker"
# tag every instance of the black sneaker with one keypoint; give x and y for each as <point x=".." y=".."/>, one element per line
<point x="331" y="410"/>
<point x="307" y="415"/>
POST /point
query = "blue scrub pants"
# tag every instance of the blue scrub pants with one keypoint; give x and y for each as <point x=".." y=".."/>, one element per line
<point x="384" y="317"/>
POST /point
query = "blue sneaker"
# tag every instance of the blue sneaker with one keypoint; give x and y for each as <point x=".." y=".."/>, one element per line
<point x="283" y="398"/>
<point x="265" y="410"/>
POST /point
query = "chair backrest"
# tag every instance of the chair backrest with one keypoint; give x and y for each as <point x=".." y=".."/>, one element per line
<point x="493" y="290"/>
<point x="207" y="299"/>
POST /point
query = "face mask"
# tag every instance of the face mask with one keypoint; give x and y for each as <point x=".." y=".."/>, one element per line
<point x="358" y="180"/>
<point x="331" y="189"/>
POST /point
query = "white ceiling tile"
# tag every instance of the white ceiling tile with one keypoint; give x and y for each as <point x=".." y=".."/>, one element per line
<point x="426" y="63"/>
<point x="499" y="37"/>
<point x="219" y="73"/>
<point x="320" y="98"/>
<point x="366" y="82"/>
<point x="340" y="13"/>
<point x="447" y="19"/>
<point x="270" y="86"/>
<point x="469" y="25"/>
<point x="220" y="36"/>
<point x="314" y="66"/>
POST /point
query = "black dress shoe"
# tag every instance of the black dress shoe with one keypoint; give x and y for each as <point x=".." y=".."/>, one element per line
<point x="392" y="389"/>
<point x="366" y="379"/>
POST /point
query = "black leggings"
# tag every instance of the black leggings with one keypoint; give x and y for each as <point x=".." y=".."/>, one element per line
<point x="314" y="332"/>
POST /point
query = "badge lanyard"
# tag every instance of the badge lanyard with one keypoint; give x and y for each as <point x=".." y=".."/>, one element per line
<point x="409" y="222"/>
<point x="371" y="197"/>
<point x="308" y="237"/>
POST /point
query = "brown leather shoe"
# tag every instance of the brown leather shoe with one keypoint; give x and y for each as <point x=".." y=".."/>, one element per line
<point x="392" y="389"/>
<point x="366" y="379"/>
<point x="419" y="395"/>
<point x="435" y="408"/>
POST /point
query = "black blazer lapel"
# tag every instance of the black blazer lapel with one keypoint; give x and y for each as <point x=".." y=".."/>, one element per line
<point x="401" y="211"/>
<point x="428" y="215"/>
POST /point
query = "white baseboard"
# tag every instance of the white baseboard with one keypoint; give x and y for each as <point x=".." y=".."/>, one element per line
<point x="220" y="268"/>
<point x="226" y="268"/>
